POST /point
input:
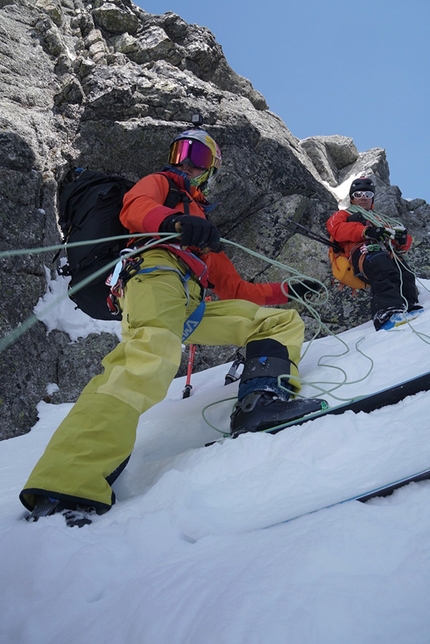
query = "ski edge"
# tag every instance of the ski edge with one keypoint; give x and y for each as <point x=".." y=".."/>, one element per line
<point x="389" y="488"/>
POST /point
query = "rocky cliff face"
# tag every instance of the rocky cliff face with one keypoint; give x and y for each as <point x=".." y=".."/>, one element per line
<point x="106" y="85"/>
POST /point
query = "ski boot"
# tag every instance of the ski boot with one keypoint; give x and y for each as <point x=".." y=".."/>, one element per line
<point x="74" y="517"/>
<point x="264" y="397"/>
<point x="381" y="319"/>
<point x="263" y="410"/>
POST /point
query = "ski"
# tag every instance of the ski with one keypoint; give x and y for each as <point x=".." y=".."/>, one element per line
<point x="363" y="497"/>
<point x="371" y="402"/>
<point x="388" y="489"/>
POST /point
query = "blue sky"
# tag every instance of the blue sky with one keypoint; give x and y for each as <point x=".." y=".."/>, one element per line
<point x="356" y="69"/>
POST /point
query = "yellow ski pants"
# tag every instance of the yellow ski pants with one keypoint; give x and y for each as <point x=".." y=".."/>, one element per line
<point x="93" y="443"/>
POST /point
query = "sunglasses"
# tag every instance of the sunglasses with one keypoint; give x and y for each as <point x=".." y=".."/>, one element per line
<point x="360" y="193"/>
<point x="192" y="153"/>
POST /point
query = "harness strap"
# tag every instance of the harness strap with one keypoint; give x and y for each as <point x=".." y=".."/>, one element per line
<point x="360" y="265"/>
<point x="194" y="319"/>
<point x="364" y="250"/>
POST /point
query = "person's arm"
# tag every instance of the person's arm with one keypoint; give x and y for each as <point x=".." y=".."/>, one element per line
<point x="229" y="285"/>
<point x="342" y="230"/>
<point x="402" y="241"/>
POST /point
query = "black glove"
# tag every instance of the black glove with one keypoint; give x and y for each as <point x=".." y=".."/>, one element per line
<point x="299" y="289"/>
<point x="194" y="231"/>
<point x="401" y="236"/>
<point x="377" y="232"/>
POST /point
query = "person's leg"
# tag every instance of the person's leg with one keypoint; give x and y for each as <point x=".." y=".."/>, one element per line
<point x="408" y="284"/>
<point x="273" y="339"/>
<point x="240" y="322"/>
<point x="384" y="278"/>
<point x="95" y="440"/>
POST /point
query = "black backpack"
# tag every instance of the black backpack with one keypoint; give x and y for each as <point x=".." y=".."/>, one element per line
<point x="88" y="211"/>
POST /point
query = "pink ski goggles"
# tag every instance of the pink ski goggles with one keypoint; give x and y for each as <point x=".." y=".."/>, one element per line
<point x="191" y="152"/>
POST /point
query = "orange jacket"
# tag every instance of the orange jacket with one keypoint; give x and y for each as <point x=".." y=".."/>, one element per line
<point x="349" y="234"/>
<point x="143" y="212"/>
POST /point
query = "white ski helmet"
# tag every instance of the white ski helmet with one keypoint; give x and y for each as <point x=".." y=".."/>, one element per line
<point x="196" y="148"/>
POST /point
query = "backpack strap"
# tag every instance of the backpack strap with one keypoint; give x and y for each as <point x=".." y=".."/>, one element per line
<point x="176" y="195"/>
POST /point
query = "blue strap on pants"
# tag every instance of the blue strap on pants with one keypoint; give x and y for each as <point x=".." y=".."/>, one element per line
<point x="194" y="319"/>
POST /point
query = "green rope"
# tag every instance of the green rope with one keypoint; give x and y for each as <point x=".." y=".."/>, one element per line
<point x="320" y="386"/>
<point x="214" y="404"/>
<point x="320" y="296"/>
<point x="46" y="249"/>
<point x="16" y="333"/>
<point x="375" y="218"/>
<point x="296" y="276"/>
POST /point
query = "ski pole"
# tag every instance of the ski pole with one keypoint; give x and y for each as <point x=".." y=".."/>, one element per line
<point x="187" y="389"/>
<point x="191" y="352"/>
<point x="302" y="230"/>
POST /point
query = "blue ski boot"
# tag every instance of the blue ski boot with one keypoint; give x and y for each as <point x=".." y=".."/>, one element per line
<point x="264" y="396"/>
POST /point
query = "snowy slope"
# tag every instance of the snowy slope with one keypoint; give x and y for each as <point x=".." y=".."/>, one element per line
<point x="200" y="548"/>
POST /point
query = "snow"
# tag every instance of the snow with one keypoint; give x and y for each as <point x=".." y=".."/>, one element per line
<point x="211" y="545"/>
<point x="341" y="191"/>
<point x="57" y="311"/>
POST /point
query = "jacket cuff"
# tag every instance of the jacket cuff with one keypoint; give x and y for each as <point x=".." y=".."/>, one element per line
<point x="278" y="296"/>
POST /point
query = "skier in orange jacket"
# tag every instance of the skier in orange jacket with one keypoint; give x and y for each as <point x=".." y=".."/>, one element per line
<point x="376" y="245"/>
<point x="163" y="306"/>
